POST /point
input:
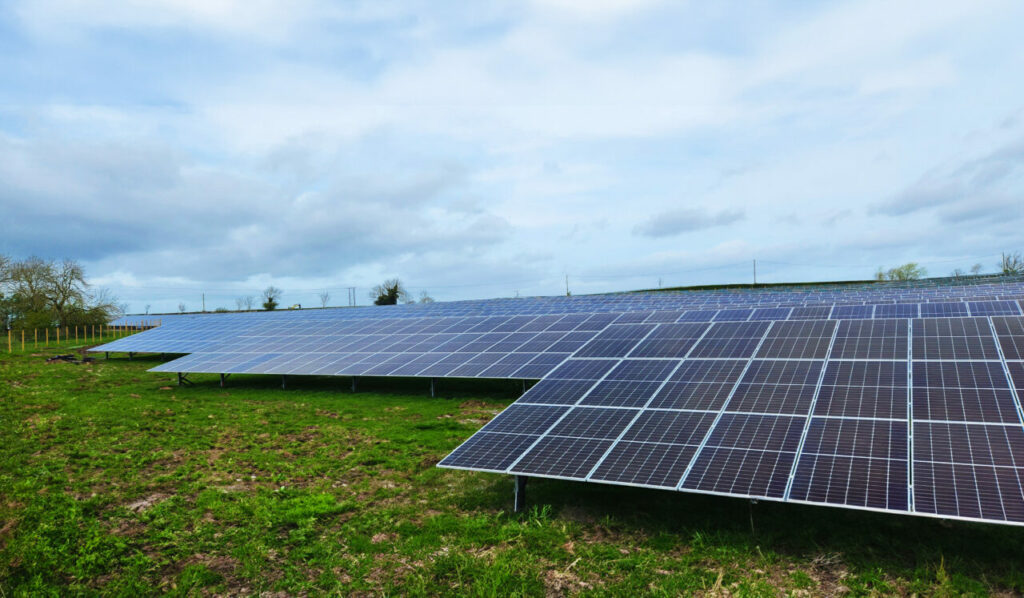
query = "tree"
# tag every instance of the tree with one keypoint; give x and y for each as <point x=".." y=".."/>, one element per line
<point x="181" y="308"/>
<point x="389" y="292"/>
<point x="67" y="287"/>
<point x="324" y="298"/>
<point x="1012" y="263"/>
<point x="425" y="297"/>
<point x="908" y="271"/>
<point x="147" y="308"/>
<point x="976" y="269"/>
<point x="271" y="298"/>
<point x="41" y="293"/>
<point x="958" y="273"/>
<point x="239" y="303"/>
<point x="249" y="301"/>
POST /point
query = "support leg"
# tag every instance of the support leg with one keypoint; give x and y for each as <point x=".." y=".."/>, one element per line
<point x="519" y="499"/>
<point x="106" y="355"/>
<point x="353" y="383"/>
<point x="524" y="386"/>
<point x="130" y="355"/>
<point x="223" y="379"/>
<point x="432" y="390"/>
<point x="284" y="382"/>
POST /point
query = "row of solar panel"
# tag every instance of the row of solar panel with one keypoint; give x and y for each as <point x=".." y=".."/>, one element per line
<point x="974" y="289"/>
<point x="195" y="335"/>
<point x="784" y="430"/>
<point x="488" y="354"/>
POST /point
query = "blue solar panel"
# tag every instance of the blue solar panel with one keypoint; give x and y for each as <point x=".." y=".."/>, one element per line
<point x="842" y="396"/>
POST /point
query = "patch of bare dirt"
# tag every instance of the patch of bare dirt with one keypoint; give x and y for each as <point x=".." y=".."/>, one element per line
<point x="564" y="582"/>
<point x="6" y="531"/>
<point x="144" y="504"/>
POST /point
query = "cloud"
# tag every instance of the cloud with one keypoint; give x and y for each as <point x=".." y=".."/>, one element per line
<point x="232" y="145"/>
<point x="964" y="185"/>
<point x="677" y="222"/>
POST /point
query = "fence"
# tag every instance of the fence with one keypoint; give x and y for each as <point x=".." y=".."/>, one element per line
<point x="93" y="334"/>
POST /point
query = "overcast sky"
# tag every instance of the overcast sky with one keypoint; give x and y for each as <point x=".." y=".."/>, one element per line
<point x="480" y="149"/>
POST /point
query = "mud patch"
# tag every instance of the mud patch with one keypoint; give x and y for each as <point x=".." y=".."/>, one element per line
<point x="144" y="504"/>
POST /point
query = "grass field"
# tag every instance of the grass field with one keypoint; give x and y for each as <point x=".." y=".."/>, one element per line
<point x="115" y="481"/>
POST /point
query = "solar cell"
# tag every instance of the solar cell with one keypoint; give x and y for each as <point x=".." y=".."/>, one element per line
<point x="1010" y="332"/>
<point x="962" y="391"/>
<point x="855" y="462"/>
<point x="871" y="339"/>
<point x="954" y="339"/>
<point x="807" y="339"/>
<point x="870" y="389"/>
<point x="747" y="455"/>
<point x="968" y="470"/>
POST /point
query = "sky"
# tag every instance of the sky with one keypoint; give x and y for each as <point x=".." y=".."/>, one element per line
<point x="182" y="148"/>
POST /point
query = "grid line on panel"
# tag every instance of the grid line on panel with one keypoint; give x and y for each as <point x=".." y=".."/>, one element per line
<point x="559" y="420"/>
<point x="643" y="408"/>
<point x="721" y="411"/>
<point x="910" y="416"/>
<point x="1006" y="371"/>
<point x="571" y="409"/>
<point x="810" y="415"/>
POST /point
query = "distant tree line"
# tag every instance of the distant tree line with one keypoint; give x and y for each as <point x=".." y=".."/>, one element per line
<point x="38" y="293"/>
<point x="1009" y="264"/>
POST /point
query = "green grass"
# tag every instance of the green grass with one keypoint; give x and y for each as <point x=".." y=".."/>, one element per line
<point x="114" y="481"/>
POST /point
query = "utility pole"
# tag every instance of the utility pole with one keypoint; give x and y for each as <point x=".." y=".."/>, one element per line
<point x="567" y="285"/>
<point x="755" y="273"/>
<point x="204" y="301"/>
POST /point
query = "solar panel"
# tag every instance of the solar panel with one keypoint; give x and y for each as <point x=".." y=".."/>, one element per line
<point x="902" y="399"/>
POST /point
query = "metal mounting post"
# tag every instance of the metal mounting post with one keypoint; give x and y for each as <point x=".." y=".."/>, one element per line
<point x="223" y="379"/>
<point x="524" y="386"/>
<point x="284" y="382"/>
<point x="183" y="379"/>
<point x="354" y="383"/>
<point x="519" y="497"/>
<point x="432" y="380"/>
<point x="130" y="355"/>
<point x="106" y="355"/>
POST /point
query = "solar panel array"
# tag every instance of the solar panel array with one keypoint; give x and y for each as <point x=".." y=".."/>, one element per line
<point x="901" y="400"/>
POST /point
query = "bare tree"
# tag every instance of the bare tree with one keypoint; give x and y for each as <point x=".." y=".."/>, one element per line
<point x="44" y="293"/>
<point x="271" y="297"/>
<point x="425" y="297"/>
<point x="389" y="292"/>
<point x="958" y="273"/>
<point x="181" y="308"/>
<point x="324" y="298"/>
<point x="106" y="305"/>
<point x="147" y="308"/>
<point x="67" y="287"/>
<point x="5" y="269"/>
<point x="1012" y="263"/>
<point x="249" y="301"/>
<point x="240" y="303"/>
<point x="976" y="269"/>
